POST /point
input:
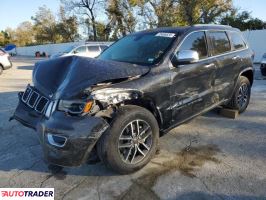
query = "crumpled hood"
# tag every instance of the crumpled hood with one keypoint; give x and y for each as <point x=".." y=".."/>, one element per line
<point x="66" y="77"/>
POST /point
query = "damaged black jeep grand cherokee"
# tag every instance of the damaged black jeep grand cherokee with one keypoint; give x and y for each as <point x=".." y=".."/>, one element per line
<point x="117" y="106"/>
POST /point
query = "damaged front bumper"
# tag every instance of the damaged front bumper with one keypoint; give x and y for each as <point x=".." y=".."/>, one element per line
<point x="66" y="140"/>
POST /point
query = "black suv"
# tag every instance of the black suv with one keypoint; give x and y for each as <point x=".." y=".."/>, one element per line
<point x="117" y="106"/>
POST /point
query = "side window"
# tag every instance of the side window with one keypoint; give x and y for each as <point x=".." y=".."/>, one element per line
<point x="237" y="41"/>
<point x="197" y="42"/>
<point x="220" y="42"/>
<point x="81" y="49"/>
<point x="93" y="48"/>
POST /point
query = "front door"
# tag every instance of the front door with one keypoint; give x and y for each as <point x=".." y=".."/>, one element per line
<point x="192" y="84"/>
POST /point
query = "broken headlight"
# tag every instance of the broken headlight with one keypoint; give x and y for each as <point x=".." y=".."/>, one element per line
<point x="76" y="107"/>
<point x="114" y="95"/>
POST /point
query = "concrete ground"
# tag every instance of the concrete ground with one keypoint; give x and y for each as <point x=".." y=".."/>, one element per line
<point x="211" y="157"/>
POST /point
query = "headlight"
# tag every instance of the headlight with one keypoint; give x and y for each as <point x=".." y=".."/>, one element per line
<point x="75" y="107"/>
<point x="115" y="95"/>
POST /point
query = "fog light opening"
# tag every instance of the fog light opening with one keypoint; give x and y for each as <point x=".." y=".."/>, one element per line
<point x="55" y="140"/>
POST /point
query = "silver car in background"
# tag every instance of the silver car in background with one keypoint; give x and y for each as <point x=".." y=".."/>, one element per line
<point x="5" y="62"/>
<point x="86" y="50"/>
<point x="263" y="65"/>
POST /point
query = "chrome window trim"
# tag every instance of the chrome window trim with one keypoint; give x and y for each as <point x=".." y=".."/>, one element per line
<point x="209" y="57"/>
<point x="35" y="101"/>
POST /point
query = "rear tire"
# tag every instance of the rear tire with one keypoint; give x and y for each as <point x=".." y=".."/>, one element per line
<point x="131" y="140"/>
<point x="241" y="96"/>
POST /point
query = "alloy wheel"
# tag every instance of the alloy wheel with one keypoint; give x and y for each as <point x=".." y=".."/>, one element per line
<point x="135" y="141"/>
<point x="243" y="95"/>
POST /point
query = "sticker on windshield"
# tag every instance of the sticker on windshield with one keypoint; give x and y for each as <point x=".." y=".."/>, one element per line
<point x="162" y="34"/>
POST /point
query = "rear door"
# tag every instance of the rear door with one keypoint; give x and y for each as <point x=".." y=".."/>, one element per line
<point x="192" y="83"/>
<point x="239" y="52"/>
<point x="225" y="60"/>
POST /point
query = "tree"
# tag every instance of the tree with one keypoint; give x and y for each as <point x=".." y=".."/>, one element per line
<point x="181" y="12"/>
<point x="159" y="12"/>
<point x="121" y="18"/>
<point x="102" y="32"/>
<point x="67" y="27"/>
<point x="2" y="39"/>
<point x="242" y="21"/>
<point x="5" y="36"/>
<point x="203" y="11"/>
<point x="23" y="34"/>
<point x="87" y="8"/>
<point x="45" y="26"/>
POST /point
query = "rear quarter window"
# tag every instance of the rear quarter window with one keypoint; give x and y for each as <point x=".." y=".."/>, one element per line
<point x="237" y="41"/>
<point x="220" y="42"/>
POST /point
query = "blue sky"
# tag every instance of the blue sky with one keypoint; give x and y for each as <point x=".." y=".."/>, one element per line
<point x="16" y="11"/>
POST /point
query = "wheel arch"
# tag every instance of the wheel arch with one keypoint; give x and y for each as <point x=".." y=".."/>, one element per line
<point x="249" y="74"/>
<point x="150" y="106"/>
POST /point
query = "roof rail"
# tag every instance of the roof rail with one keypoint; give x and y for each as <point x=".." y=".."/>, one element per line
<point x="212" y="25"/>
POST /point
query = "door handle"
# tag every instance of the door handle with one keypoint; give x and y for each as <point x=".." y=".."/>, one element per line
<point x="209" y="65"/>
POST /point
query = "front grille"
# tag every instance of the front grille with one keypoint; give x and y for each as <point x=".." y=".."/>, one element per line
<point x="35" y="100"/>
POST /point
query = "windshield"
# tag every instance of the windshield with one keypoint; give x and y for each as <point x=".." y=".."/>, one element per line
<point x="69" y="49"/>
<point x="143" y="49"/>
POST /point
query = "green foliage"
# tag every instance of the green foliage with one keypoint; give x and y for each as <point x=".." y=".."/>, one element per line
<point x="4" y="38"/>
<point x="243" y="21"/>
<point x="45" y="26"/>
<point x="45" y="29"/>
<point x="121" y="18"/>
<point x="87" y="10"/>
<point x="67" y="27"/>
<point x="24" y="34"/>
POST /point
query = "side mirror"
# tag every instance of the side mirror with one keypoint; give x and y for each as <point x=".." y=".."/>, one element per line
<point x="185" y="57"/>
<point x="74" y="52"/>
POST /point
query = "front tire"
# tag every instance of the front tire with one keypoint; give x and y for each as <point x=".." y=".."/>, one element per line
<point x="131" y="140"/>
<point x="241" y="96"/>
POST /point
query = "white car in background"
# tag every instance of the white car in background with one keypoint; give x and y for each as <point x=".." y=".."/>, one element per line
<point x="87" y="50"/>
<point x="5" y="62"/>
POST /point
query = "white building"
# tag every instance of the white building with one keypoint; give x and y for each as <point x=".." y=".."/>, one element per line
<point x="257" y="42"/>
